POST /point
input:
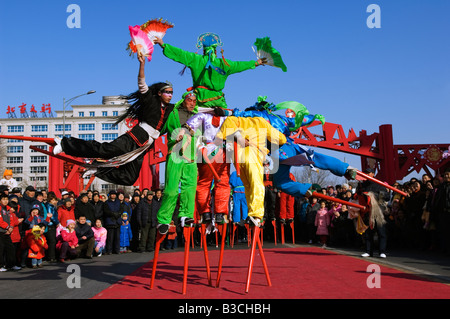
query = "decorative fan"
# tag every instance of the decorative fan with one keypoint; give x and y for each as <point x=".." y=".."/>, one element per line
<point x="152" y="29"/>
<point x="140" y="42"/>
<point x="264" y="49"/>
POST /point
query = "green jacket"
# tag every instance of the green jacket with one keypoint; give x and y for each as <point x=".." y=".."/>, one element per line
<point x="172" y="127"/>
<point x="207" y="83"/>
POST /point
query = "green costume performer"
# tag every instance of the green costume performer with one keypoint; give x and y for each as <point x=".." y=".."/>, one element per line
<point x="209" y="73"/>
<point x="181" y="166"/>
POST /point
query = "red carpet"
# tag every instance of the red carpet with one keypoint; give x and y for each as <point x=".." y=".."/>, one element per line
<point x="295" y="273"/>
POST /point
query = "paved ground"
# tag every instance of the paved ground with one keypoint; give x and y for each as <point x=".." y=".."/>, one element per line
<point x="50" y="282"/>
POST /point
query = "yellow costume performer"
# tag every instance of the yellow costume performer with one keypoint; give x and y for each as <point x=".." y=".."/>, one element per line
<point x="254" y="131"/>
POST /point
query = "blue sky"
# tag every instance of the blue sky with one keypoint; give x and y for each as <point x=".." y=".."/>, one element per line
<point x="358" y="77"/>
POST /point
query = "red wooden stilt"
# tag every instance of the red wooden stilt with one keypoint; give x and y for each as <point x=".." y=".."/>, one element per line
<point x="205" y="252"/>
<point x="236" y="158"/>
<point x="293" y="233"/>
<point x="252" y="257"/>
<point x="159" y="240"/>
<point x="249" y="235"/>
<point x="223" y="231"/>
<point x="274" y="223"/>
<point x="256" y="241"/>
<point x="261" y="232"/>
<point x="217" y="240"/>
<point x="187" y="238"/>
<point x="263" y="259"/>
<point x="233" y="230"/>
<point x="282" y="233"/>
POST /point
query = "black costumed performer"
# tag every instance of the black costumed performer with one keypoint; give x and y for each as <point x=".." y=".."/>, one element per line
<point x="120" y="161"/>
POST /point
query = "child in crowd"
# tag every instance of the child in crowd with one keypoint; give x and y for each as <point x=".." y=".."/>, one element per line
<point x="125" y="234"/>
<point x="100" y="237"/>
<point x="67" y="242"/>
<point x="37" y="244"/>
<point x="8" y="180"/>
<point x="322" y="222"/>
<point x="8" y="223"/>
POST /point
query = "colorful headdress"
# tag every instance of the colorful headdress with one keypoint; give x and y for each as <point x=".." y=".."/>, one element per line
<point x="209" y="42"/>
<point x="185" y="95"/>
<point x="208" y="39"/>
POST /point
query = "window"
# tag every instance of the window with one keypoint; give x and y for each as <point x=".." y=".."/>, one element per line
<point x="91" y="113"/>
<point x="86" y="127"/>
<point x="115" y="113"/>
<point x="15" y="141"/>
<point x="61" y="136"/>
<point x="38" y="159"/>
<point x="104" y="113"/>
<point x="109" y="136"/>
<point x="60" y="127"/>
<point x="87" y="137"/>
<point x="38" y="178"/>
<point x="38" y="169"/>
<point x="109" y="127"/>
<point x="39" y="128"/>
<point x="15" y="128"/>
<point x="14" y="159"/>
<point x="14" y="149"/>
<point x="16" y="170"/>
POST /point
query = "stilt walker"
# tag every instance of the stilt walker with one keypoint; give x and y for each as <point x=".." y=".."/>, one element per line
<point x="120" y="161"/>
<point x="213" y="167"/>
<point x="251" y="155"/>
<point x="181" y="173"/>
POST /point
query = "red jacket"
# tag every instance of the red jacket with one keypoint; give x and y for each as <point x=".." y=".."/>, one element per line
<point x="36" y="246"/>
<point x="65" y="214"/>
<point x="65" y="236"/>
<point x="13" y="222"/>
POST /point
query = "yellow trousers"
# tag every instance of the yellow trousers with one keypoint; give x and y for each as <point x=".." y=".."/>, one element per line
<point x="252" y="178"/>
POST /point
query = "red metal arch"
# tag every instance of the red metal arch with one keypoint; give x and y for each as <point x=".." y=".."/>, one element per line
<point x="392" y="162"/>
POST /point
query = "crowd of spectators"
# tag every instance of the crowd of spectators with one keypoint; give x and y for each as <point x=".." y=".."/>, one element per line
<point x="36" y="226"/>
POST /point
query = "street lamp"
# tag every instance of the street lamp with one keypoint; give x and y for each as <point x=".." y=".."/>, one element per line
<point x="68" y="102"/>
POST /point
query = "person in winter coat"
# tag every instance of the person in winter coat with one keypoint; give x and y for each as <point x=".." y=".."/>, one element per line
<point x="112" y="211"/>
<point x="85" y="236"/>
<point x="125" y="234"/>
<point x="84" y="208"/>
<point x="8" y="222"/>
<point x="311" y="211"/>
<point x="50" y="235"/>
<point x="66" y="211"/>
<point x="100" y="233"/>
<point x="37" y="244"/>
<point x="322" y="222"/>
<point x="98" y="206"/>
<point x="34" y="217"/>
<point x="28" y="200"/>
<point x="147" y="224"/>
<point x="67" y="242"/>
